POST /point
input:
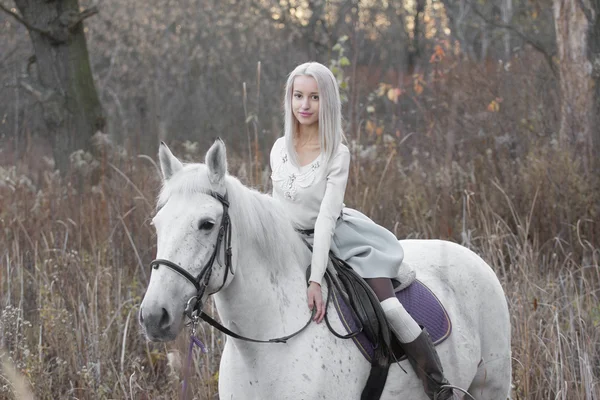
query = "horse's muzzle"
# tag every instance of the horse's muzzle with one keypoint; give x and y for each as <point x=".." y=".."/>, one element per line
<point x="157" y="324"/>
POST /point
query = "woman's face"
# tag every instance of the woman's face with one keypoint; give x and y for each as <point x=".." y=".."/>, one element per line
<point x="305" y="100"/>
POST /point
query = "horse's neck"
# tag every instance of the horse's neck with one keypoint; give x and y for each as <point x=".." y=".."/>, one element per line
<point x="270" y="278"/>
<point x="264" y="300"/>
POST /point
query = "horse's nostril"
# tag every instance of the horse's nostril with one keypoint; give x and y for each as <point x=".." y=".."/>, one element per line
<point x="141" y="316"/>
<point x="164" y="319"/>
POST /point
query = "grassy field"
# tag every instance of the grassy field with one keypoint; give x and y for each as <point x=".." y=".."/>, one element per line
<point x="75" y="256"/>
<point x="468" y="153"/>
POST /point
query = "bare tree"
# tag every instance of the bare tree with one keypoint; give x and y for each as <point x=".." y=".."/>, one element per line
<point x="477" y="26"/>
<point x="415" y="50"/>
<point x="578" y="42"/>
<point x="59" y="74"/>
<point x="507" y="13"/>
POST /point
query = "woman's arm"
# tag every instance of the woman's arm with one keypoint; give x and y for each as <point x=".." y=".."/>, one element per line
<point x="331" y="207"/>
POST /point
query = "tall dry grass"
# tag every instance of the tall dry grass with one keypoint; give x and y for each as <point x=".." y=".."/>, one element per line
<point x="74" y="250"/>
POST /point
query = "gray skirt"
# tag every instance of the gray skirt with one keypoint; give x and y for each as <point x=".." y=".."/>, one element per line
<point x="370" y="249"/>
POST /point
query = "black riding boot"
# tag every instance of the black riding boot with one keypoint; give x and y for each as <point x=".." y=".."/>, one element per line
<point x="424" y="358"/>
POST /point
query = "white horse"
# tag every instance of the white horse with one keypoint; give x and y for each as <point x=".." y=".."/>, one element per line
<point x="264" y="297"/>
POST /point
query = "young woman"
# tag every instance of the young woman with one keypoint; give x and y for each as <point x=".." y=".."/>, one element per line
<point x="310" y="166"/>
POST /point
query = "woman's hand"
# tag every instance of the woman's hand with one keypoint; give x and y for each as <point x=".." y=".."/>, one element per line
<point x="315" y="299"/>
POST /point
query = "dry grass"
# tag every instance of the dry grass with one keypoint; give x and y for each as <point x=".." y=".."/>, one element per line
<point x="74" y="255"/>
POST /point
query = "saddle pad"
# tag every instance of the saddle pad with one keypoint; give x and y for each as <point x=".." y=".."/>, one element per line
<point x="421" y="304"/>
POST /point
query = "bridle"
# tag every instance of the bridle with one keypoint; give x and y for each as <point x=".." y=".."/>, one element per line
<point x="200" y="282"/>
<point x="193" y="307"/>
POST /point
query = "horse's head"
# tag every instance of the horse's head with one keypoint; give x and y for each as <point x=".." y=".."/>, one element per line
<point x="193" y="233"/>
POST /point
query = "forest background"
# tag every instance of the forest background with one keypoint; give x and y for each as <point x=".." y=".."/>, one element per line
<point x="468" y="120"/>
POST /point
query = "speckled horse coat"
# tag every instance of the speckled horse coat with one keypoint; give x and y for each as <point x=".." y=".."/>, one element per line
<point x="266" y="298"/>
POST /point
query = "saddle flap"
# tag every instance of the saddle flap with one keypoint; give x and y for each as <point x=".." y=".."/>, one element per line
<point x="419" y="301"/>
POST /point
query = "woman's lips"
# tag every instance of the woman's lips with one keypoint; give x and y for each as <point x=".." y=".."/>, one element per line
<point x="305" y="114"/>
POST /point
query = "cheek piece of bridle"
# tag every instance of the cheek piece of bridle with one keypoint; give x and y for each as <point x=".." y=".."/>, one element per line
<point x="193" y="309"/>
<point x="200" y="282"/>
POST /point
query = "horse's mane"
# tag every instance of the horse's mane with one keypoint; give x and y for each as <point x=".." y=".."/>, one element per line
<point x="255" y="216"/>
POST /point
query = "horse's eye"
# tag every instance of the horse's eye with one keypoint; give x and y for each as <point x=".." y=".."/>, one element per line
<point x="206" y="225"/>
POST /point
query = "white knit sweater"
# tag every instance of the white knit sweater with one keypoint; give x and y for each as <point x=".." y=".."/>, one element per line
<point x="312" y="198"/>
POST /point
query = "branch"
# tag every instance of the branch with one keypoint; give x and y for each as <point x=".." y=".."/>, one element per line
<point x="288" y="23"/>
<point x="29" y="84"/>
<point x="267" y="14"/>
<point x="23" y="21"/>
<point x="72" y="18"/>
<point x="522" y="35"/>
<point x="67" y="22"/>
<point x="51" y="101"/>
<point x="69" y="19"/>
<point x="42" y="95"/>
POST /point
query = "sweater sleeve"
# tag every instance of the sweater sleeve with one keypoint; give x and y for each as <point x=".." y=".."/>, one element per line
<point x="331" y="207"/>
<point x="274" y="153"/>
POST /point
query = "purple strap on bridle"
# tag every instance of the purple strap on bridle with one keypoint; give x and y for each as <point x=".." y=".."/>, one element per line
<point x="193" y="341"/>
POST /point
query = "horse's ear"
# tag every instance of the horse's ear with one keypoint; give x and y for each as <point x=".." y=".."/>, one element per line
<point x="169" y="164"/>
<point x="216" y="160"/>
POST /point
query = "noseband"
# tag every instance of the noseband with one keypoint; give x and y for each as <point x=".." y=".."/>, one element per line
<point x="200" y="282"/>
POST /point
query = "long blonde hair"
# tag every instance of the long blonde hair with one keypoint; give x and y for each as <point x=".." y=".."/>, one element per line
<point x="330" y="111"/>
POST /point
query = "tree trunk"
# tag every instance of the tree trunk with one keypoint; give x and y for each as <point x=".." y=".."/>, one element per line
<point x="578" y="45"/>
<point x="593" y="53"/>
<point x="507" y="14"/>
<point x="415" y="51"/>
<point x="486" y="33"/>
<point x="64" y="84"/>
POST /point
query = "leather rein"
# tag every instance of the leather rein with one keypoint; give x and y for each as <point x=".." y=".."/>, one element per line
<point x="193" y="307"/>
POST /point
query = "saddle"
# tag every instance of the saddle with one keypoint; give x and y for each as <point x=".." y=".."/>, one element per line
<point x="361" y="314"/>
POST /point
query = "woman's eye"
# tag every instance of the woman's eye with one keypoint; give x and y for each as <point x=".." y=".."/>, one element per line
<point x="206" y="225"/>
<point x="315" y="97"/>
<point x="298" y="95"/>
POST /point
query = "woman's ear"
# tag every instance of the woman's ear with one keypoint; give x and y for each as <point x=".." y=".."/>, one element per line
<point x="216" y="160"/>
<point x="169" y="164"/>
